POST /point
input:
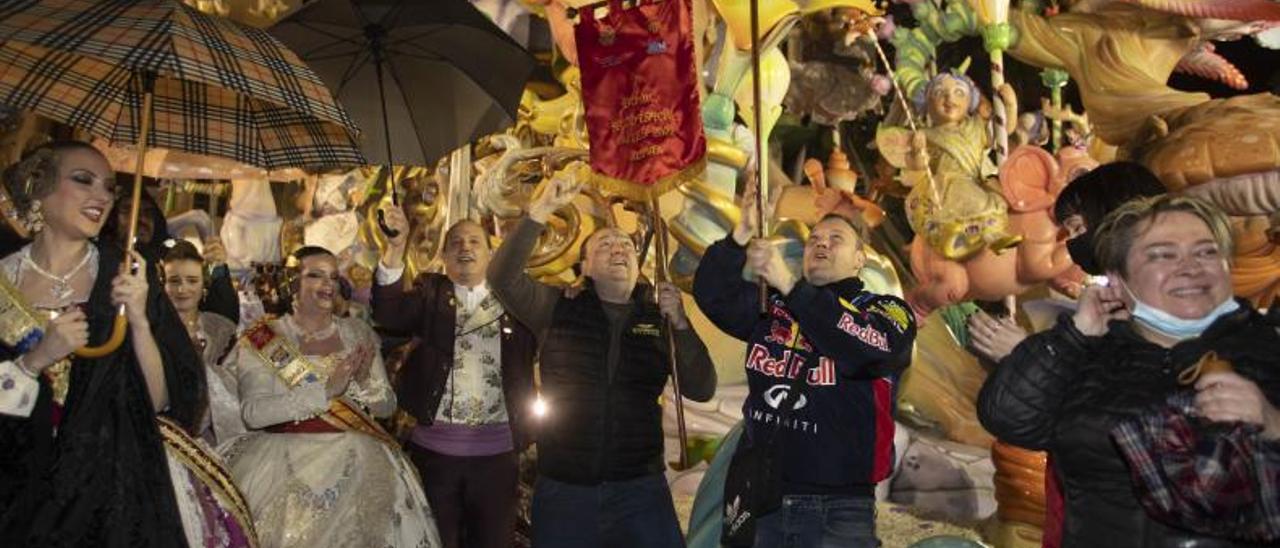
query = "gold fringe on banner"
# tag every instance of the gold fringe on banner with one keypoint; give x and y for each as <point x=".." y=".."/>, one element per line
<point x="643" y="193"/>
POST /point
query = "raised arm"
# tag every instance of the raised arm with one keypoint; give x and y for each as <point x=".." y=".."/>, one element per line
<point x="222" y="298"/>
<point x="731" y="303"/>
<point x="394" y="307"/>
<point x="870" y="338"/>
<point x="170" y="366"/>
<point x="530" y="301"/>
<point x="697" y="373"/>
<point x="1019" y="402"/>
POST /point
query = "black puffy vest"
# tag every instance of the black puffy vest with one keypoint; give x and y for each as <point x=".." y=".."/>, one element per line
<point x="598" y="429"/>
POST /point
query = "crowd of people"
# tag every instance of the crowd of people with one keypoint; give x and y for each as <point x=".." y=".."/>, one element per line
<point x="207" y="429"/>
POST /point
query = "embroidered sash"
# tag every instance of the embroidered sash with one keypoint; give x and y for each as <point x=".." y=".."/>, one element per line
<point x="286" y="359"/>
<point x="20" y="327"/>
<point x="210" y="472"/>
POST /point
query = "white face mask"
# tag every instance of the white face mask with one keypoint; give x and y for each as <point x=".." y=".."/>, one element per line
<point x="1179" y="329"/>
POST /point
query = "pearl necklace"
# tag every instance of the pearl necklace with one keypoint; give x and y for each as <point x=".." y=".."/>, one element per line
<point x="61" y="288"/>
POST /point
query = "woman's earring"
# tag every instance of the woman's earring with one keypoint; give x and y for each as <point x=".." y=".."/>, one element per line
<point x="35" y="217"/>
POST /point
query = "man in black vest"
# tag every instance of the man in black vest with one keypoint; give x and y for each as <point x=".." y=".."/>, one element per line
<point x="604" y="363"/>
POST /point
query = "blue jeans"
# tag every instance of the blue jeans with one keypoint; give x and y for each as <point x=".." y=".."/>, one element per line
<point x="820" y="521"/>
<point x="617" y="514"/>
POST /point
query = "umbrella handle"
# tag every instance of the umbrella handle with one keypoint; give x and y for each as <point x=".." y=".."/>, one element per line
<point x="148" y="82"/>
<point x="113" y="342"/>
<point x="382" y="223"/>
<point x="387" y="177"/>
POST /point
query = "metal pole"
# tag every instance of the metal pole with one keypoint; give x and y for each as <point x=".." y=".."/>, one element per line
<point x="758" y="119"/>
<point x="660" y="262"/>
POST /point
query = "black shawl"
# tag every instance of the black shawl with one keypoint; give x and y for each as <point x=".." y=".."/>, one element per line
<point x="109" y="481"/>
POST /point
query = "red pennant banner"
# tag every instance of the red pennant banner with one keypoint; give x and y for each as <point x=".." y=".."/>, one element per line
<point x="640" y="88"/>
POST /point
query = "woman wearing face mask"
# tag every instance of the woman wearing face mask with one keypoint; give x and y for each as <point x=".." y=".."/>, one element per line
<point x="105" y="480"/>
<point x="1167" y="305"/>
<point x="318" y="470"/>
<point x="1081" y="205"/>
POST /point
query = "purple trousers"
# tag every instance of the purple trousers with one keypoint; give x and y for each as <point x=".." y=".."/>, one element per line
<point x="474" y="499"/>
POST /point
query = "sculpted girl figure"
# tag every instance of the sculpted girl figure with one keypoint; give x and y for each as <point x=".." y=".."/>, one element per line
<point x="959" y="212"/>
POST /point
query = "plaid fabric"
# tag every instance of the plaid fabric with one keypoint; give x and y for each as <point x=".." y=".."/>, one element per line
<point x="221" y="90"/>
<point x="1212" y="478"/>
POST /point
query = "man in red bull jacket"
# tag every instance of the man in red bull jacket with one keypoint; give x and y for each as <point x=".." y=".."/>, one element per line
<point x="837" y="441"/>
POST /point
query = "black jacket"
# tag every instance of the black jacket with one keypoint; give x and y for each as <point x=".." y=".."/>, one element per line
<point x="603" y="425"/>
<point x="1063" y="392"/>
<point x="839" y="438"/>
<point x="429" y="312"/>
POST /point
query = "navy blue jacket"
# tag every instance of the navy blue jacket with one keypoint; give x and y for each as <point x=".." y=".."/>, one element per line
<point x="855" y="344"/>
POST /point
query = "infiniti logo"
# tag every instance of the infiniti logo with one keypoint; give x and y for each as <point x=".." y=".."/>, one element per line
<point x="778" y="392"/>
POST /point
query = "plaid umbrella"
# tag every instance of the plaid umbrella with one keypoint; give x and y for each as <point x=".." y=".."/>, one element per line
<point x="1217" y="479"/>
<point x="220" y="89"/>
<point x="116" y="68"/>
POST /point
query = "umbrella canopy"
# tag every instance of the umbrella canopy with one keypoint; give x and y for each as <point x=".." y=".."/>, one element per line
<point x="172" y="164"/>
<point x="1215" y="479"/>
<point x="220" y="89"/>
<point x="421" y="78"/>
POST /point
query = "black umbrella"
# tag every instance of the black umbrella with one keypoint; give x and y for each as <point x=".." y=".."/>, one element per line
<point x="421" y="78"/>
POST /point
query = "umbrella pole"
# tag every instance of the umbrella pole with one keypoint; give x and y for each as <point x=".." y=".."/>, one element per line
<point x="659" y="233"/>
<point x="386" y="136"/>
<point x="113" y="342"/>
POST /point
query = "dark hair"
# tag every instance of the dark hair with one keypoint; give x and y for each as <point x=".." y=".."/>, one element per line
<point x="36" y="174"/>
<point x="113" y="230"/>
<point x="311" y="251"/>
<point x="181" y="250"/>
<point x="1099" y="192"/>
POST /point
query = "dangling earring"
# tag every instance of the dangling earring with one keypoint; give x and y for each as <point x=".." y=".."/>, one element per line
<point x="35" y="217"/>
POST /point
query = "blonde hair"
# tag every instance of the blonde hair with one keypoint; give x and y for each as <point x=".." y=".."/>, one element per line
<point x="1116" y="234"/>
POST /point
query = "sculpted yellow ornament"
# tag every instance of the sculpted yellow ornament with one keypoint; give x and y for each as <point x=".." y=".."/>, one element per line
<point x="961" y="214"/>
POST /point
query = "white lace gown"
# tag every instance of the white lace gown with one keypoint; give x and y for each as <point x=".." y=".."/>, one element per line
<point x="324" y="489"/>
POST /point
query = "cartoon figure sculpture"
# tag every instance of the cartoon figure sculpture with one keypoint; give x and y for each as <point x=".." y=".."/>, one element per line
<point x="1121" y="55"/>
<point x="251" y="228"/>
<point x="956" y="212"/>
<point x="1030" y="181"/>
<point x="1223" y="149"/>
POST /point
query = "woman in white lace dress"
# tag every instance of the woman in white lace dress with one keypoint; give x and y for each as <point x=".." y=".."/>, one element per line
<point x="317" y="470"/>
